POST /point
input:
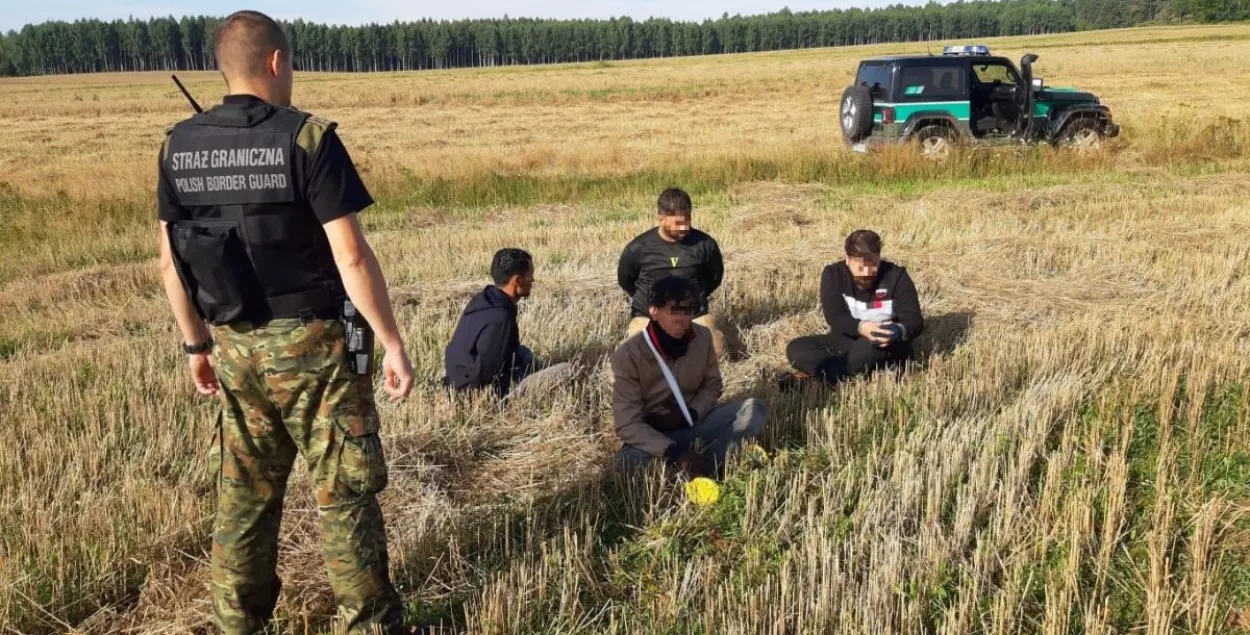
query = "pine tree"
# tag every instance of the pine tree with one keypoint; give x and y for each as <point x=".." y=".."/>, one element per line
<point x="186" y="43"/>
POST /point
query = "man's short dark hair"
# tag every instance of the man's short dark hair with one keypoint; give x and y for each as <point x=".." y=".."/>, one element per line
<point x="509" y="262"/>
<point x="863" y="243"/>
<point x="673" y="290"/>
<point x="244" y="41"/>
<point x="674" y="201"/>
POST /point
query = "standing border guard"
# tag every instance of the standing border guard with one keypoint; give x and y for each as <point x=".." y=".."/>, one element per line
<point x="259" y="239"/>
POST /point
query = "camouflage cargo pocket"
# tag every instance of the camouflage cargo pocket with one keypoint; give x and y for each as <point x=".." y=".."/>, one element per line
<point x="362" y="464"/>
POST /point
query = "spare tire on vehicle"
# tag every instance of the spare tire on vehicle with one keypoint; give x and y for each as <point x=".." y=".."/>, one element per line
<point x="855" y="113"/>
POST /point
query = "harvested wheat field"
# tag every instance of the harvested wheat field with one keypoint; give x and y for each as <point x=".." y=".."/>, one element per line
<point x="1071" y="454"/>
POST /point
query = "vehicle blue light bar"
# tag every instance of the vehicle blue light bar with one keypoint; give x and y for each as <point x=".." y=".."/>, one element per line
<point x="968" y="49"/>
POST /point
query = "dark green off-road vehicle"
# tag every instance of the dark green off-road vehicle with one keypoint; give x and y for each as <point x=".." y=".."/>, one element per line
<point x="966" y="96"/>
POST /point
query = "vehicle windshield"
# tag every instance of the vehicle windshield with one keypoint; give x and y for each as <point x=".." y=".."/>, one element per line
<point x="876" y="76"/>
<point x="990" y="73"/>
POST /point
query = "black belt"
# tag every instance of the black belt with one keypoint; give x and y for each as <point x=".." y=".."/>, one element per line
<point x="322" y="303"/>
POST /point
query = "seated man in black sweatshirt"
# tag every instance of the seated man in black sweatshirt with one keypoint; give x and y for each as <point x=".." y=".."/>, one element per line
<point x="873" y="313"/>
<point x="486" y="351"/>
<point x="671" y="248"/>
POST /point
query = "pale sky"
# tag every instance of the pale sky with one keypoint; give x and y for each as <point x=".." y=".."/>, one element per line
<point x="16" y="13"/>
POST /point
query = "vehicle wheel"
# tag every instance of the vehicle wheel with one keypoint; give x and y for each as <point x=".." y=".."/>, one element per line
<point x="934" y="142"/>
<point x="1083" y="135"/>
<point x="855" y="113"/>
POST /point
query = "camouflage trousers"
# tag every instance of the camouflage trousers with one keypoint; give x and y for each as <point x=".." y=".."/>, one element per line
<point x="285" y="390"/>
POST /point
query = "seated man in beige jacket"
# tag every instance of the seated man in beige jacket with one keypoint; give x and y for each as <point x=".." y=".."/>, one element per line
<point x="691" y="431"/>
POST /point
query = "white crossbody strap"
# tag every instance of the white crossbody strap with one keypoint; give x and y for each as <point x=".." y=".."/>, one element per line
<point x="668" y="377"/>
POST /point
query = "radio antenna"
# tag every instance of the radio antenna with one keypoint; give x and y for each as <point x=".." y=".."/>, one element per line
<point x="187" y="94"/>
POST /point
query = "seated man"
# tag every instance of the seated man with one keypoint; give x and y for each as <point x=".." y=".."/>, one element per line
<point x="672" y="248"/>
<point x="873" y="314"/>
<point x="654" y="421"/>
<point x="485" y="350"/>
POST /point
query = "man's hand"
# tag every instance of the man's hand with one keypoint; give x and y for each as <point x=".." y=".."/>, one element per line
<point x="893" y="333"/>
<point x="203" y="376"/>
<point x="692" y="464"/>
<point x="873" y="332"/>
<point x="362" y="277"/>
<point x="396" y="374"/>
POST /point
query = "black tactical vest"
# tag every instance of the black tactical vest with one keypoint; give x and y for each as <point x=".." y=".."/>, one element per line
<point x="252" y="249"/>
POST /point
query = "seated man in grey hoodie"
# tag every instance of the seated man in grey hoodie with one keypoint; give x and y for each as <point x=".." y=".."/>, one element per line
<point x="683" y="427"/>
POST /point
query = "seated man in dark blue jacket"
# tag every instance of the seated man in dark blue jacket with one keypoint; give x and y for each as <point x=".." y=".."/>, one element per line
<point x="486" y="350"/>
<point x="873" y="313"/>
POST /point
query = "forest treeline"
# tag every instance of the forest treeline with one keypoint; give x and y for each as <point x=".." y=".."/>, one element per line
<point x="186" y="43"/>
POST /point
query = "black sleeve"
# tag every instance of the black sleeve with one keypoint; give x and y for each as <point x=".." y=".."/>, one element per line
<point x="714" y="266"/>
<point x="493" y="366"/>
<point x="837" y="316"/>
<point x="907" y="306"/>
<point x="334" y="187"/>
<point x="627" y="269"/>
<point x="167" y="208"/>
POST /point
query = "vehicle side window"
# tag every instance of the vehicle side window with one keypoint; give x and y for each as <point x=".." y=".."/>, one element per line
<point x="876" y="76"/>
<point x="933" y="83"/>
<point x="990" y="73"/>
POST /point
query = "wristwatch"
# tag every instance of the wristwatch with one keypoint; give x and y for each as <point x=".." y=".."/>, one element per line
<point x="198" y="349"/>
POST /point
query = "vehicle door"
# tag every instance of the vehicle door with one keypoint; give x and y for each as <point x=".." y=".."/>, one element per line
<point x="996" y="92"/>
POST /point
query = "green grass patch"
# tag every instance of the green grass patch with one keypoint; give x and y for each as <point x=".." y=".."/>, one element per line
<point x="898" y="173"/>
<point x="58" y="233"/>
<point x="1225" y="468"/>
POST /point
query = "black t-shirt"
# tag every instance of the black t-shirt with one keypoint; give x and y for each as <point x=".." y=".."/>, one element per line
<point x="326" y="177"/>
<point x="334" y="188"/>
<point x="648" y="258"/>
